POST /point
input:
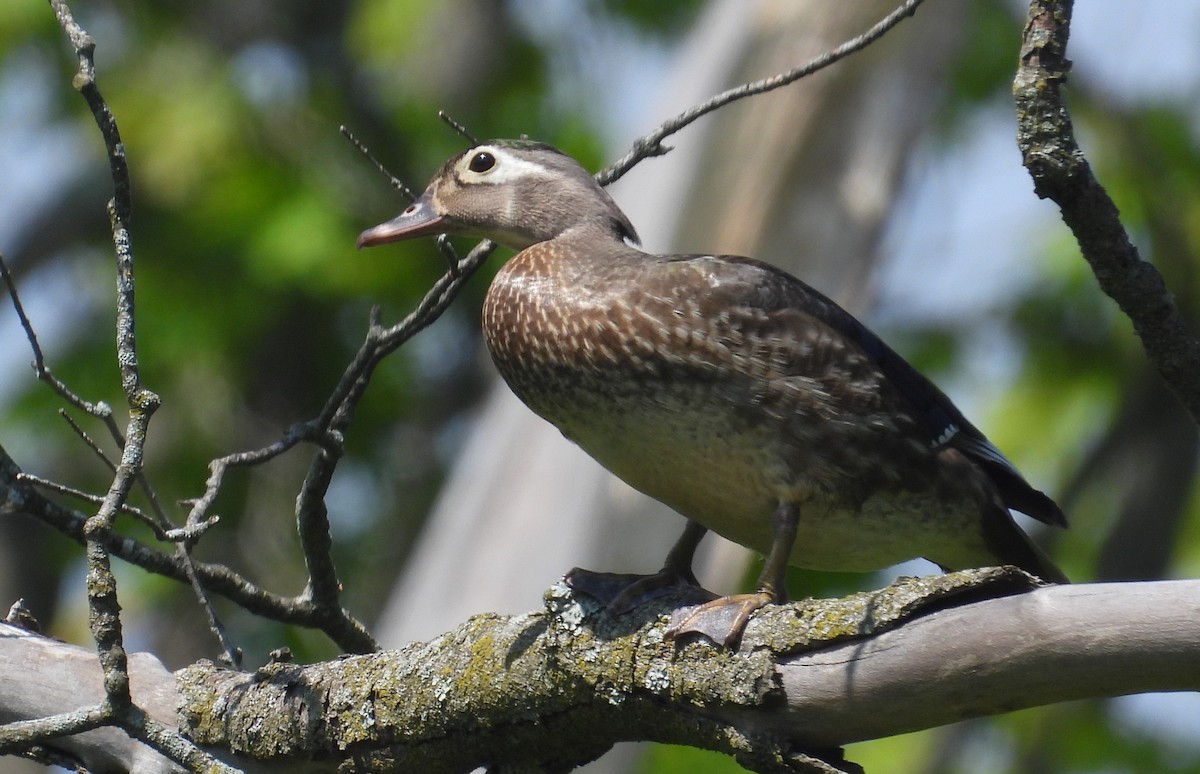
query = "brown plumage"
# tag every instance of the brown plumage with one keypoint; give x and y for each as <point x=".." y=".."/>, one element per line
<point x="724" y="387"/>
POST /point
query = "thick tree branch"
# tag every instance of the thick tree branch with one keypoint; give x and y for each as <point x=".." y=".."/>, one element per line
<point x="1061" y="173"/>
<point x="46" y="680"/>
<point x="552" y="689"/>
<point x="549" y="688"/>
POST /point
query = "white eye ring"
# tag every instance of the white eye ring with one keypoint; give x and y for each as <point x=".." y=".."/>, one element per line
<point x="505" y="168"/>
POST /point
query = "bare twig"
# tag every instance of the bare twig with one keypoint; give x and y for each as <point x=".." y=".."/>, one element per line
<point x="396" y="182"/>
<point x="320" y="598"/>
<point x="100" y="409"/>
<point x="448" y="252"/>
<point x="316" y="539"/>
<point x="88" y="441"/>
<point x="380" y="342"/>
<point x="163" y="528"/>
<point x="20" y="735"/>
<point x="650" y="145"/>
<point x="175" y="746"/>
<point x="311" y="515"/>
<point x="23" y="733"/>
<point x="87" y="497"/>
<point x="167" y="535"/>
<point x="303" y="431"/>
<point x="459" y="128"/>
<point x="1061" y="173"/>
<point x="141" y="401"/>
<point x="105" y="617"/>
<point x="161" y="525"/>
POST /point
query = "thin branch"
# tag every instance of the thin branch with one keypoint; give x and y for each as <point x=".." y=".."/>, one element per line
<point x="380" y="342"/>
<point x="458" y="128"/>
<point x="100" y="409"/>
<point x="311" y="514"/>
<point x="651" y="144"/>
<point x="231" y="652"/>
<point x="141" y="401"/>
<point x="321" y="595"/>
<point x="17" y="497"/>
<point x="169" y="742"/>
<point x="218" y="467"/>
<point x="1061" y="173"/>
<point x="316" y="538"/>
<point x="185" y="535"/>
<point x="23" y="733"/>
<point x="171" y="535"/>
<point x="104" y="610"/>
<point x="88" y="441"/>
<point x="162" y="526"/>
<point x="87" y="497"/>
<point x="396" y="182"/>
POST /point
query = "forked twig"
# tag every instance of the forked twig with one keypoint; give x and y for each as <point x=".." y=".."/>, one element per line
<point x="79" y="494"/>
<point x="650" y="145"/>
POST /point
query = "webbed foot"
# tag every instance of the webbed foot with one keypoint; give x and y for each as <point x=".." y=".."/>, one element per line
<point x="621" y="592"/>
<point x="721" y="620"/>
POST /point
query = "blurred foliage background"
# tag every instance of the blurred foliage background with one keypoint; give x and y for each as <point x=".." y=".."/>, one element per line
<point x="251" y="299"/>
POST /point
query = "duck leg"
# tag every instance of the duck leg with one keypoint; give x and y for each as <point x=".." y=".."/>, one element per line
<point x="621" y="592"/>
<point x="722" y="620"/>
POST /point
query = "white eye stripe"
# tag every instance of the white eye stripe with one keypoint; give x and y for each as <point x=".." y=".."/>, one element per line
<point x="506" y="169"/>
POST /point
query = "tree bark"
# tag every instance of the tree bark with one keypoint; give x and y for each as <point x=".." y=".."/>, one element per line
<point x="552" y="689"/>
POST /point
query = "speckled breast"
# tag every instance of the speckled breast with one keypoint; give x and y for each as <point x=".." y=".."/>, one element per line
<point x="585" y="349"/>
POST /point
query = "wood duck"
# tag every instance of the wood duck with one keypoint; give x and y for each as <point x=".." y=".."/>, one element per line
<point x="724" y="387"/>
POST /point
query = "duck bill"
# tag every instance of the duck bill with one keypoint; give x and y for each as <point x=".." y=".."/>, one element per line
<point x="419" y="219"/>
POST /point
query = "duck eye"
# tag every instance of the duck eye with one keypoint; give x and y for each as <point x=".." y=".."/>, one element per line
<point x="482" y="162"/>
